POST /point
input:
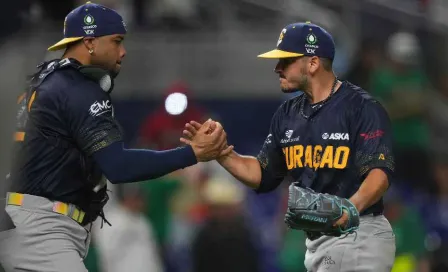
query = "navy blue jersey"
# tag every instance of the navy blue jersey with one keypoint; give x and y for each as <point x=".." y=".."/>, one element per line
<point x="67" y="118"/>
<point x="334" y="149"/>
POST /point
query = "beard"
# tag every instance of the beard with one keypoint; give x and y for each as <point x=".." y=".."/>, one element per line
<point x="302" y="85"/>
<point x="289" y="90"/>
<point x="114" y="73"/>
<point x="112" y="69"/>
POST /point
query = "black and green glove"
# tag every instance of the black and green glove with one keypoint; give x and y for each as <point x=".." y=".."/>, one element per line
<point x="316" y="212"/>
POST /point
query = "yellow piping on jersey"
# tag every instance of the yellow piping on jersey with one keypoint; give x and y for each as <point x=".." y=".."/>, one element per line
<point x="33" y="96"/>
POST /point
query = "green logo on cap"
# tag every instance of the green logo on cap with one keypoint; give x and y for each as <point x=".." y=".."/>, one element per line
<point x="311" y="39"/>
<point x="88" y="19"/>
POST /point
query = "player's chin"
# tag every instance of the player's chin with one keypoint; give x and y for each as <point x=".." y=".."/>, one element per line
<point x="286" y="86"/>
<point x="116" y="71"/>
<point x="289" y="90"/>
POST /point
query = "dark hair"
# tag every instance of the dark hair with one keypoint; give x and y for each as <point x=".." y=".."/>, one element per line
<point x="327" y="64"/>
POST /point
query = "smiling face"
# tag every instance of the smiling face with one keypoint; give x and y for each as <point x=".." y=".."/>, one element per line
<point x="108" y="52"/>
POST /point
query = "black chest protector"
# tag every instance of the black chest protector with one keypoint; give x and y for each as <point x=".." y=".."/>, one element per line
<point x="95" y="183"/>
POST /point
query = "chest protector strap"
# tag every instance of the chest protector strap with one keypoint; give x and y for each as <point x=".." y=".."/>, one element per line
<point x="95" y="73"/>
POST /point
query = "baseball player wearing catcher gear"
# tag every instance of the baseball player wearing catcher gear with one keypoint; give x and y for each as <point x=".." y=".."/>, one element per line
<point x="67" y="145"/>
<point x="333" y="144"/>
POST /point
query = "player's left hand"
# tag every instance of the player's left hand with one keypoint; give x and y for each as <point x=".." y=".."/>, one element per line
<point x="193" y="127"/>
<point x="320" y="213"/>
<point x="342" y="222"/>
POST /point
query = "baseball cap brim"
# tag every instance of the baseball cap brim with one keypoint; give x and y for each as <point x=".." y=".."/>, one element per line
<point x="63" y="43"/>
<point x="279" y="54"/>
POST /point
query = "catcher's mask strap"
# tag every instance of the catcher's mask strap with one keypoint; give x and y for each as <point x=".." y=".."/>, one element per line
<point x="95" y="73"/>
<point x="104" y="79"/>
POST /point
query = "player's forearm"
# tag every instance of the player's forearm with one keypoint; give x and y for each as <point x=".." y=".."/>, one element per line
<point x="246" y="169"/>
<point x="121" y="165"/>
<point x="371" y="190"/>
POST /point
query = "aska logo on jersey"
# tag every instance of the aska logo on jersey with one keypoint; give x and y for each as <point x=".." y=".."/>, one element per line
<point x="99" y="108"/>
<point x="336" y="136"/>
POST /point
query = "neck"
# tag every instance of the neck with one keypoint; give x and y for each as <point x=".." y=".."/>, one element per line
<point x="74" y="55"/>
<point x="322" y="87"/>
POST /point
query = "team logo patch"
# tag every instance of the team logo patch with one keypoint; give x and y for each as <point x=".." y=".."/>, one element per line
<point x="89" y="20"/>
<point x="89" y="27"/>
<point x="311" y="43"/>
<point x="311" y="39"/>
<point x="282" y="35"/>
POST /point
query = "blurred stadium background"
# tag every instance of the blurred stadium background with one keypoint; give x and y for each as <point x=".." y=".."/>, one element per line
<point x="201" y="219"/>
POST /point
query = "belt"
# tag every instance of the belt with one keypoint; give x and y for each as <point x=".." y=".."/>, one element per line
<point x="66" y="209"/>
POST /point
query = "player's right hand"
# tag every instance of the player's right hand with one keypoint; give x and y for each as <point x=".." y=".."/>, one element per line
<point x="192" y="128"/>
<point x="209" y="140"/>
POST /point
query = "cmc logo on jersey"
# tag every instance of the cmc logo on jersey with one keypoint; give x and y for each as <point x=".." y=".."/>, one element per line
<point x="299" y="156"/>
<point x="99" y="108"/>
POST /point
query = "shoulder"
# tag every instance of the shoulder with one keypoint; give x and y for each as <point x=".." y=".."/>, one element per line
<point x="70" y="82"/>
<point x="363" y="106"/>
<point x="356" y="93"/>
<point x="360" y="99"/>
<point x="69" y="90"/>
<point x="289" y="106"/>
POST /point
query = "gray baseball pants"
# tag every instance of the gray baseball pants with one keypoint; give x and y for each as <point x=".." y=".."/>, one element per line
<point x="371" y="249"/>
<point x="43" y="240"/>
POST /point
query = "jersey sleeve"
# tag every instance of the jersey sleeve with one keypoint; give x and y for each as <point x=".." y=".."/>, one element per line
<point x="91" y="120"/>
<point x="271" y="159"/>
<point x="373" y="142"/>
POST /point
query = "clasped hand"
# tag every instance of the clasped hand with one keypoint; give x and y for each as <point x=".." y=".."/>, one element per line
<point x="208" y="140"/>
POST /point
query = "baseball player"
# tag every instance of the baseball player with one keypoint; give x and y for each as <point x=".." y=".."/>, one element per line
<point x="67" y="145"/>
<point x="333" y="144"/>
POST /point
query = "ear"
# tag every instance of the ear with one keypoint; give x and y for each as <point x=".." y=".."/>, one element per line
<point x="90" y="43"/>
<point x="314" y="64"/>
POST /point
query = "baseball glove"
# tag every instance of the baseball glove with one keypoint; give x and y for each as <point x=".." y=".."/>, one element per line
<point x="316" y="213"/>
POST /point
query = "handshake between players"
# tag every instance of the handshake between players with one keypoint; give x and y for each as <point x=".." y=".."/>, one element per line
<point x="208" y="141"/>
